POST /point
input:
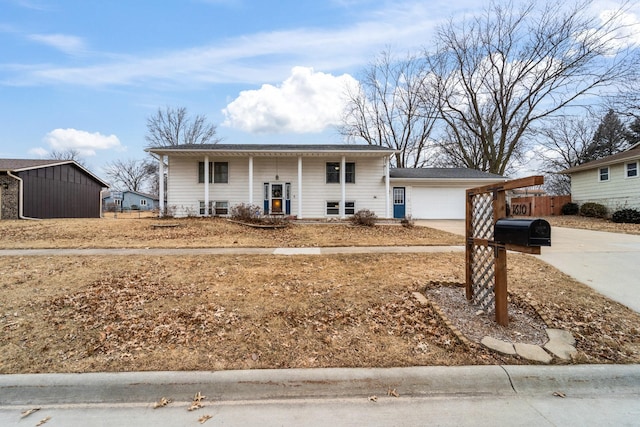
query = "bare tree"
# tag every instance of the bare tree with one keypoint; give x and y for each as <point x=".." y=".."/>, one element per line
<point x="174" y="126"/>
<point x="131" y="174"/>
<point x="388" y="109"/>
<point x="564" y="143"/>
<point x="499" y="73"/>
<point x="68" y="154"/>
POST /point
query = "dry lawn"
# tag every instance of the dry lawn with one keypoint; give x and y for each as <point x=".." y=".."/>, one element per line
<point x="206" y="232"/>
<point x="111" y="313"/>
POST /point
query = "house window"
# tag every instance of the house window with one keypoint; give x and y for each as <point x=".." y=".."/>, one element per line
<point x="333" y="208"/>
<point x="349" y="208"/>
<point x="222" y="208"/>
<point x="604" y="174"/>
<point x="221" y="172"/>
<point x="333" y="173"/>
<point x="202" y="207"/>
<point x="350" y="173"/>
<point x="117" y="202"/>
<point x="201" y="172"/>
<point x="632" y="170"/>
<point x="143" y="202"/>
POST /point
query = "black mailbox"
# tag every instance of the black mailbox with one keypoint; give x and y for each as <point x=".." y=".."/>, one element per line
<point x="522" y="232"/>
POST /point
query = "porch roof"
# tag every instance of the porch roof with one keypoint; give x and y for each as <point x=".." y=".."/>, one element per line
<point x="274" y="150"/>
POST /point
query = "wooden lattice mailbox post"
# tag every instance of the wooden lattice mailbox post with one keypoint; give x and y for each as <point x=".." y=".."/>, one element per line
<point x="488" y="237"/>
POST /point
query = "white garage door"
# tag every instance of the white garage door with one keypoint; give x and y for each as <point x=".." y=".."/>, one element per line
<point x="438" y="203"/>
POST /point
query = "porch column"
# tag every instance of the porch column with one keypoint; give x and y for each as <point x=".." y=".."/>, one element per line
<point x="343" y="185"/>
<point x="161" y="185"/>
<point x="387" y="184"/>
<point x="250" y="180"/>
<point x="299" y="187"/>
<point x="206" y="185"/>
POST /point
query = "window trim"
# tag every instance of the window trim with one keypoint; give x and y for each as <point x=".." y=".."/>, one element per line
<point x="220" y="177"/>
<point x="332" y="172"/>
<point x="601" y="176"/>
<point x="221" y="210"/>
<point x="143" y="202"/>
<point x="349" y="210"/>
<point x="336" y="206"/>
<point x="626" y="170"/>
<point x="201" y="207"/>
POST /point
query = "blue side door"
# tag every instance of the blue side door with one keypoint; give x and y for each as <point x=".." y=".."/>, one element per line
<point x="398" y="202"/>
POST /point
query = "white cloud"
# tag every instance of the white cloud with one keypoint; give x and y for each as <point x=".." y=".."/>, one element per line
<point x="39" y="151"/>
<point x="85" y="143"/>
<point x="67" y="44"/>
<point x="305" y="102"/>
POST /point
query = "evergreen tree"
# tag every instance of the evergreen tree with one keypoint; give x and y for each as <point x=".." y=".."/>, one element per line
<point x="609" y="138"/>
<point x="633" y="134"/>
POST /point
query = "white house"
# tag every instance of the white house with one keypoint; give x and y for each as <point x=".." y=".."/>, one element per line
<point x="613" y="181"/>
<point x="308" y="181"/>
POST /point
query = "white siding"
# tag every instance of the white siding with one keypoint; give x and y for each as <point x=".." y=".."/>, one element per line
<point x="616" y="193"/>
<point x="368" y="192"/>
<point x="184" y="192"/>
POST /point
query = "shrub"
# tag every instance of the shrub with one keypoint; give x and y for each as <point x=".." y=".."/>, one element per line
<point x="245" y="212"/>
<point x="570" y="209"/>
<point x="364" y="217"/>
<point x="595" y="210"/>
<point x="629" y="216"/>
<point x="407" y="222"/>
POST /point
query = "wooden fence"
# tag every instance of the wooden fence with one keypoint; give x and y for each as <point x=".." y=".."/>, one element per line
<point x="538" y="205"/>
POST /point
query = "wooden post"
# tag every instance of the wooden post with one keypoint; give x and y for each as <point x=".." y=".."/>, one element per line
<point x="500" y="290"/>
<point x="469" y="246"/>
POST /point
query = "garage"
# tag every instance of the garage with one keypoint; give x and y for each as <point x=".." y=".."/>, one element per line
<point x="437" y="203"/>
<point x="435" y="193"/>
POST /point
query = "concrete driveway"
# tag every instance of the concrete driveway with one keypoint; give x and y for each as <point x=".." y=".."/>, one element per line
<point x="607" y="262"/>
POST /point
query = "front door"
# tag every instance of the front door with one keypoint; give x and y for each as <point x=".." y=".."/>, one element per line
<point x="398" y="202"/>
<point x="276" y="199"/>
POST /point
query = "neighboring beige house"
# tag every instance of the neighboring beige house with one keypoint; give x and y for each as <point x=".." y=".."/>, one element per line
<point x="613" y="181"/>
<point x="308" y="181"/>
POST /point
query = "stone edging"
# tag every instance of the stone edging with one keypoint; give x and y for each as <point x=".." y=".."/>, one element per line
<point x="561" y="343"/>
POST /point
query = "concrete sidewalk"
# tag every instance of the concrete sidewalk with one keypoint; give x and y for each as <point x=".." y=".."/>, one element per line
<point x="231" y="251"/>
<point x="463" y="395"/>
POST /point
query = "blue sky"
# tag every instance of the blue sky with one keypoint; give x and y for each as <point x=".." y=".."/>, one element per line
<point x="86" y="74"/>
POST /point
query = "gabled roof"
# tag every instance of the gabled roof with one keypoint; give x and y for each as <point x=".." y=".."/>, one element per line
<point x="18" y="165"/>
<point x="21" y="165"/>
<point x="271" y="149"/>
<point x="442" y="173"/>
<point x="632" y="153"/>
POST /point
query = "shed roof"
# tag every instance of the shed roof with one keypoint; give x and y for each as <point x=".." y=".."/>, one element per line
<point x="19" y="165"/>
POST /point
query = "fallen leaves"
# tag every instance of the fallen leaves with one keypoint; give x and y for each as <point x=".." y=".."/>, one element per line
<point x="161" y="403"/>
<point x="28" y="412"/>
<point x="43" y="421"/>
<point x="203" y="419"/>
<point x="197" y="402"/>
